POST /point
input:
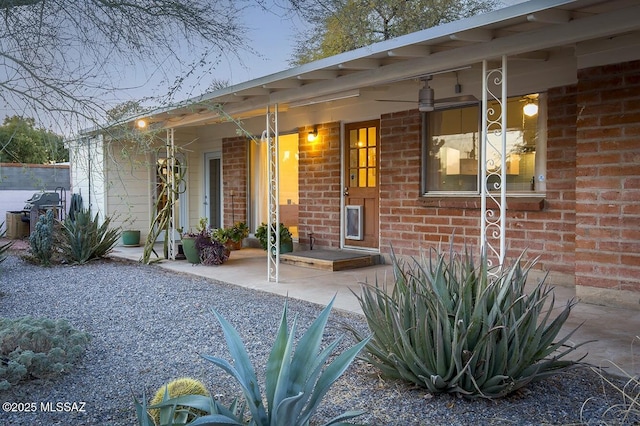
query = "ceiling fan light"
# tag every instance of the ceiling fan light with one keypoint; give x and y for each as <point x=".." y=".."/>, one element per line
<point x="425" y="100"/>
<point x="530" y="109"/>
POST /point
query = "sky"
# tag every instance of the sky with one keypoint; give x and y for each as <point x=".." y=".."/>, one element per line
<point x="271" y="36"/>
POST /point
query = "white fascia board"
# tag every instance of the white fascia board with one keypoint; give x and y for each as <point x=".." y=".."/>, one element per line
<point x="576" y="31"/>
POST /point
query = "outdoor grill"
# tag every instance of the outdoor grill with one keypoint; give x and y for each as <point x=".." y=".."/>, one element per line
<point x="38" y="204"/>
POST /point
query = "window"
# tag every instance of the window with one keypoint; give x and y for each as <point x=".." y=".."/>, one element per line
<point x="452" y="143"/>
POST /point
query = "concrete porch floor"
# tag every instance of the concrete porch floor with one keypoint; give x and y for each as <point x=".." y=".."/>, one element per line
<point x="615" y="330"/>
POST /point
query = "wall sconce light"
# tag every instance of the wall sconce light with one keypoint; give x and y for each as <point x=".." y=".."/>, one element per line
<point x="141" y="124"/>
<point x="312" y="136"/>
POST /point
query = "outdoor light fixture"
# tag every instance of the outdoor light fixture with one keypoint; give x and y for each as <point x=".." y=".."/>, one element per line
<point x="141" y="124"/>
<point x="530" y="108"/>
<point x="425" y="97"/>
<point x="313" y="135"/>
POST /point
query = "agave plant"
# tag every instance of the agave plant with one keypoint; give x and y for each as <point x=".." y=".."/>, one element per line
<point x="295" y="381"/>
<point x="83" y="239"/>
<point x="451" y="326"/>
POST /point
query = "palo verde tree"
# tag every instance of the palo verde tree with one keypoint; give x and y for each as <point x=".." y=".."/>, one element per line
<point x="337" y="26"/>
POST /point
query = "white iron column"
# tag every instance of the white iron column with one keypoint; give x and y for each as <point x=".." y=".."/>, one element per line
<point x="171" y="191"/>
<point x="494" y="165"/>
<point x="273" y="222"/>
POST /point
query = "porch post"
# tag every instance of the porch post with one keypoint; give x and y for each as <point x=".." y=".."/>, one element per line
<point x="273" y="222"/>
<point x="493" y="176"/>
<point x="171" y="184"/>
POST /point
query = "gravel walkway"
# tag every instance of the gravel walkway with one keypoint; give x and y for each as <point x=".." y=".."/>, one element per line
<point x="149" y="326"/>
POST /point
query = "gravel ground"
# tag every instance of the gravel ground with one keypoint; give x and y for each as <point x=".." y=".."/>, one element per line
<point x="149" y="325"/>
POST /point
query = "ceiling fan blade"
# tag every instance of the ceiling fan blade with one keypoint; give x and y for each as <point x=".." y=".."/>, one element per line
<point x="444" y="102"/>
<point x="454" y="100"/>
<point x="395" y="100"/>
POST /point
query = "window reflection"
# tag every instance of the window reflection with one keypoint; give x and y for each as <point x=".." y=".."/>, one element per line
<point x="453" y="145"/>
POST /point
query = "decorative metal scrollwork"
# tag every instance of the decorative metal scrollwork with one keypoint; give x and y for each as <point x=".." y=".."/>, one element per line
<point x="270" y="136"/>
<point x="493" y="175"/>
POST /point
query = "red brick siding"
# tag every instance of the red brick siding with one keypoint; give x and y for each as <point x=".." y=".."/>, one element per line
<point x="319" y="186"/>
<point x="557" y="220"/>
<point x="403" y="223"/>
<point x="410" y="226"/>
<point x="234" y="177"/>
<point x="608" y="177"/>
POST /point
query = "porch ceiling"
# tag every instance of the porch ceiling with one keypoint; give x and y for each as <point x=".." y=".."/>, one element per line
<point x="527" y="31"/>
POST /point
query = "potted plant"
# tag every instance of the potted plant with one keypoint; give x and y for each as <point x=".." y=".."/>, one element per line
<point x="189" y="241"/>
<point x="232" y="237"/>
<point x="286" y="239"/>
<point x="201" y="247"/>
<point x="130" y="235"/>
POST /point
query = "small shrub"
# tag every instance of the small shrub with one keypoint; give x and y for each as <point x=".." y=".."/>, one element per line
<point x="41" y="239"/>
<point x="82" y="239"/>
<point x="37" y="348"/>
<point x="175" y="388"/>
<point x="449" y="326"/>
<point x="236" y="233"/>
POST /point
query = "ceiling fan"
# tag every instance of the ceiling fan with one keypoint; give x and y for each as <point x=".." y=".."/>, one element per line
<point x="427" y="101"/>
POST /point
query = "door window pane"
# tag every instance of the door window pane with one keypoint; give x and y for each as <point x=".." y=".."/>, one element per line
<point x="363" y="162"/>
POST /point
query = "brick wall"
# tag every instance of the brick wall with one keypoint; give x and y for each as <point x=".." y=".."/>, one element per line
<point x="404" y="224"/>
<point x="412" y="224"/>
<point x="234" y="177"/>
<point x="319" y="186"/>
<point x="553" y="229"/>
<point x="608" y="177"/>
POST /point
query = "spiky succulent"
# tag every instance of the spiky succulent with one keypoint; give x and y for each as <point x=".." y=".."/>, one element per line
<point x="452" y="326"/>
<point x="84" y="238"/>
<point x="296" y="379"/>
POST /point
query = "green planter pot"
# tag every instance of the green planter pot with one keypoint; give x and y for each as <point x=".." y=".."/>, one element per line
<point x="286" y="247"/>
<point x="131" y="238"/>
<point x="190" y="250"/>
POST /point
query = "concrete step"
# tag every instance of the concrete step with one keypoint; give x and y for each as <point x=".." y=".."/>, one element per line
<point x="331" y="260"/>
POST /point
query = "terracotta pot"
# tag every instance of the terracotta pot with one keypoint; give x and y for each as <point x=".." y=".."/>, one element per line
<point x="233" y="245"/>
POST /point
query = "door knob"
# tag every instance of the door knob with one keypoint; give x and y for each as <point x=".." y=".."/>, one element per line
<point x="346" y="191"/>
